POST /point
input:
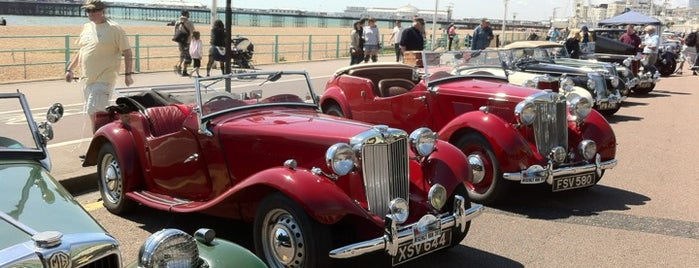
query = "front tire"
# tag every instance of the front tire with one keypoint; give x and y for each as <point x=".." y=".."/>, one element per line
<point x="111" y="182"/>
<point x="335" y="110"/>
<point x="285" y="236"/>
<point x="488" y="185"/>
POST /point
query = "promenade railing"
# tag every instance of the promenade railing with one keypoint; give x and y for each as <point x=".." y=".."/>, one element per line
<point x="45" y="57"/>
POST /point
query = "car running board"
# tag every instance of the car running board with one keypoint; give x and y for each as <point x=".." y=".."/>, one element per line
<point x="166" y="202"/>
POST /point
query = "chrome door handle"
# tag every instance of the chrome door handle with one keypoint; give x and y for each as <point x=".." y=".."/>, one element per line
<point x="422" y="98"/>
<point x="191" y="158"/>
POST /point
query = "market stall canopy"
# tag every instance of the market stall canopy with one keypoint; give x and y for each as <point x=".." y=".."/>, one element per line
<point x="630" y="17"/>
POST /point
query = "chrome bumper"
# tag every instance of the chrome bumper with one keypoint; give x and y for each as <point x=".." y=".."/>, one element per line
<point x="394" y="236"/>
<point x="612" y="99"/>
<point x="538" y="174"/>
<point x="631" y="83"/>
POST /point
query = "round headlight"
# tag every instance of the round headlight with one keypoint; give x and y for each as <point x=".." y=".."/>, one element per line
<point x="568" y="82"/>
<point x="169" y="248"/>
<point x="615" y="81"/>
<point x="529" y="83"/>
<point x="591" y="84"/>
<point x="340" y="158"/>
<point x="588" y="149"/>
<point x="580" y="107"/>
<point x="437" y="196"/>
<point x="625" y="72"/>
<point x="627" y="62"/>
<point x="399" y="210"/>
<point x="558" y="154"/>
<point x="525" y="112"/>
<point x="423" y="141"/>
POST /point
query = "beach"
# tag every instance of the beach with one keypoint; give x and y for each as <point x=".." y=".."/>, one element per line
<point x="43" y="48"/>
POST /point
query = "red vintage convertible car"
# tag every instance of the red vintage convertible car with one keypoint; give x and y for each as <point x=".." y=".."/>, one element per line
<point x="509" y="133"/>
<point x="257" y="148"/>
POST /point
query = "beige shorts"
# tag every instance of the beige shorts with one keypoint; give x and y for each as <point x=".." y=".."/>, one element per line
<point x="97" y="97"/>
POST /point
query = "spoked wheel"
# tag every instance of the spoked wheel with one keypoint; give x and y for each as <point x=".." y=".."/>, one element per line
<point x="335" y="110"/>
<point x="285" y="236"/>
<point x="111" y="182"/>
<point x="666" y="67"/>
<point x="487" y="186"/>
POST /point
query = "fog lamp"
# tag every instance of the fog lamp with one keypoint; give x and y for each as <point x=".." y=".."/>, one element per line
<point x="588" y="149"/>
<point x="399" y="210"/>
<point x="615" y="81"/>
<point x="558" y="154"/>
<point x="437" y="196"/>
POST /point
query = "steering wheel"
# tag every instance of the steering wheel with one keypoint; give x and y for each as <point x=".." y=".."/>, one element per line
<point x="218" y="98"/>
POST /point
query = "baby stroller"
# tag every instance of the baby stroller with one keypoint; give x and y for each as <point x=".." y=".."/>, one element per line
<point x="241" y="53"/>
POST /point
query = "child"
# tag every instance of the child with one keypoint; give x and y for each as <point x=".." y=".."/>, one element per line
<point x="195" y="51"/>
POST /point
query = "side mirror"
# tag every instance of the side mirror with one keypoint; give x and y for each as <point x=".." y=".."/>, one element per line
<point x="45" y="131"/>
<point x="54" y="113"/>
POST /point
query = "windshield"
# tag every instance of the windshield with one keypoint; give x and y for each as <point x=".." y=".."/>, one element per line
<point x="246" y="90"/>
<point x="17" y="128"/>
<point x="444" y="64"/>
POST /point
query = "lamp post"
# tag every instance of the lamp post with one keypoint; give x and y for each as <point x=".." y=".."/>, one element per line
<point x="514" y="16"/>
<point x="504" y="19"/>
<point x="434" y="24"/>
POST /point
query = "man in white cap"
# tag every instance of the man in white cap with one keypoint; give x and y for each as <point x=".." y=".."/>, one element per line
<point x="650" y="45"/>
<point x="102" y="44"/>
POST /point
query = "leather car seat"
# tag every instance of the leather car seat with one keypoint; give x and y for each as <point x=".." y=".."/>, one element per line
<point x="394" y="86"/>
<point x="165" y="119"/>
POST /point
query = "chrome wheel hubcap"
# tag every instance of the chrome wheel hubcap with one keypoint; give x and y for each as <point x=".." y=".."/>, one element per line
<point x="285" y="243"/>
<point x="111" y="179"/>
<point x="477" y="167"/>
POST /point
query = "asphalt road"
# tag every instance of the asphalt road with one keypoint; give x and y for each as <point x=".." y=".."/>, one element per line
<point x="642" y="214"/>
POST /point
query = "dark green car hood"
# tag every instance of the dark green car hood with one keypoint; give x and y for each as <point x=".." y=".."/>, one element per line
<point x="31" y="196"/>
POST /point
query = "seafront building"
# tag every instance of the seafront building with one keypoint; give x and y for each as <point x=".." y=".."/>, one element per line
<point x="680" y="18"/>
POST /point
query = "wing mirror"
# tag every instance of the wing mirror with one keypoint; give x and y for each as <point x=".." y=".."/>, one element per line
<point x="54" y="113"/>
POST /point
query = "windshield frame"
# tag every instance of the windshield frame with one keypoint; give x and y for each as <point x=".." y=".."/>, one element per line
<point x="38" y="150"/>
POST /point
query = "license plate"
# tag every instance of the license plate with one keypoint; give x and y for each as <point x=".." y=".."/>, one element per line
<point x="573" y="181"/>
<point x="607" y="106"/>
<point x="409" y="250"/>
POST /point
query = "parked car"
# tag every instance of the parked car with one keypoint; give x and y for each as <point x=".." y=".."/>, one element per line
<point x="315" y="187"/>
<point x="559" y="55"/>
<point x="510" y="134"/>
<point x="42" y="225"/>
<point x="532" y="66"/>
<point x="607" y="47"/>
<point x="175" y="248"/>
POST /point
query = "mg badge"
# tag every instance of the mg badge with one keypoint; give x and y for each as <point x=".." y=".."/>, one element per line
<point x="59" y="260"/>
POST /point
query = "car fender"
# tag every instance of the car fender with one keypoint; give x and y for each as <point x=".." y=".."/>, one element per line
<point x="335" y="95"/>
<point x="125" y="150"/>
<point x="598" y="129"/>
<point x="448" y="166"/>
<point x="511" y="149"/>
<point x="319" y="196"/>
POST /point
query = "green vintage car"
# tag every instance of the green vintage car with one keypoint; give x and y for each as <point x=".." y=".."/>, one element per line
<point x="41" y="225"/>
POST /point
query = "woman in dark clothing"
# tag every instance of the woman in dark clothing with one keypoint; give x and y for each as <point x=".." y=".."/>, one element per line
<point x="572" y="44"/>
<point x="218" y="35"/>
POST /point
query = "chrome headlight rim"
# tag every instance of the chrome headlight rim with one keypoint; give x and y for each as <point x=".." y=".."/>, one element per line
<point x="525" y="112"/>
<point x="163" y="242"/>
<point x="588" y="149"/>
<point x="437" y="196"/>
<point x="580" y="107"/>
<point x="341" y="159"/>
<point x="591" y="84"/>
<point x="627" y="62"/>
<point x="615" y="81"/>
<point x="423" y="141"/>
<point x="399" y="210"/>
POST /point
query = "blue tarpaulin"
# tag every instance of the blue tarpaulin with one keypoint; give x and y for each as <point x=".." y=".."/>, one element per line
<point x="630" y="17"/>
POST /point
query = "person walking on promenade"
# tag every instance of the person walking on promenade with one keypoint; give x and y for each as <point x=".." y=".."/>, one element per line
<point x="451" y="33"/>
<point x="482" y="35"/>
<point x="630" y="37"/>
<point x="411" y="38"/>
<point x="185" y="58"/>
<point x="357" y="43"/>
<point x="371" y="41"/>
<point x="572" y="44"/>
<point x="102" y="43"/>
<point x="690" y="49"/>
<point x="195" y="51"/>
<point x="395" y="38"/>
<point x="218" y="35"/>
<point x="650" y="45"/>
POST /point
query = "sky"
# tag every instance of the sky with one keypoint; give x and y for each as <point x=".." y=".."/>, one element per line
<point x="536" y="10"/>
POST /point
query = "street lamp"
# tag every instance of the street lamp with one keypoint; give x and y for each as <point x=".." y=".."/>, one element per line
<point x="504" y="19"/>
<point x="514" y="17"/>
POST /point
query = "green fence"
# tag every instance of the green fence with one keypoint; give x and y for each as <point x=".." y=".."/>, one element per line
<point x="45" y="57"/>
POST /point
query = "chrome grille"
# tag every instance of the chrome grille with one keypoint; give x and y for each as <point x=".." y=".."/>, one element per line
<point x="384" y="160"/>
<point x="550" y="125"/>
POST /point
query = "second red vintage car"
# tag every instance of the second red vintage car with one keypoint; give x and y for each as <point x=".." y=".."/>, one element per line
<point x="255" y="147"/>
<point x="509" y="133"/>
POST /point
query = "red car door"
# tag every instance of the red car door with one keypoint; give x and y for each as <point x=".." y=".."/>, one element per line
<point x="177" y="166"/>
<point x="409" y="111"/>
